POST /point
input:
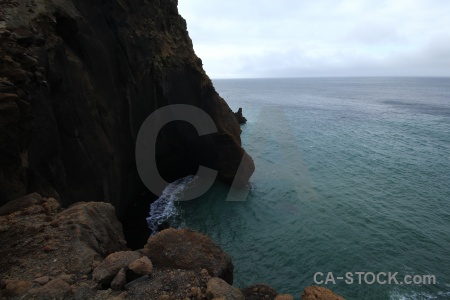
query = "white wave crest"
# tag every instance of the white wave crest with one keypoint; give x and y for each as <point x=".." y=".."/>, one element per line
<point x="163" y="209"/>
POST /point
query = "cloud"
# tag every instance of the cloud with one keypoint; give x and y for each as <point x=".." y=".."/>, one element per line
<point x="285" y="38"/>
<point x="374" y="34"/>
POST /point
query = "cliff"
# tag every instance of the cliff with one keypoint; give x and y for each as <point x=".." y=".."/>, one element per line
<point x="77" y="80"/>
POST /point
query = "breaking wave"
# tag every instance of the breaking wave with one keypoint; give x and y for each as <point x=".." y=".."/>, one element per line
<point x="163" y="209"/>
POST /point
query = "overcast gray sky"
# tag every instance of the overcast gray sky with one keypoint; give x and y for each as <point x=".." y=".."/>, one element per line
<point x="297" y="38"/>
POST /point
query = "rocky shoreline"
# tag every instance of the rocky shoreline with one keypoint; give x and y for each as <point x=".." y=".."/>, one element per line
<point x="80" y="253"/>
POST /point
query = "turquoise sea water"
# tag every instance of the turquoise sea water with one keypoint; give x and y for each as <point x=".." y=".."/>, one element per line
<point x="352" y="175"/>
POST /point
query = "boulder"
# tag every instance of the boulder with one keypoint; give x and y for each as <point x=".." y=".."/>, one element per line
<point x="96" y="225"/>
<point x="259" y="291"/>
<point x="69" y="278"/>
<point x="21" y="203"/>
<point x="112" y="264"/>
<point x="42" y="280"/>
<point x="16" y="288"/>
<point x="120" y="280"/>
<point x="319" y="293"/>
<point x="180" y="284"/>
<point x="141" y="266"/>
<point x="39" y="242"/>
<point x="55" y="289"/>
<point x="190" y="250"/>
<point x="284" y="297"/>
<point x="218" y="288"/>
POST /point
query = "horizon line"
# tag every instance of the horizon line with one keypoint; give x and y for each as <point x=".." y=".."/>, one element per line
<point x="342" y="76"/>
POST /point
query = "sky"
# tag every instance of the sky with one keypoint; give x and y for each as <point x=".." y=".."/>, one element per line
<point x="316" y="38"/>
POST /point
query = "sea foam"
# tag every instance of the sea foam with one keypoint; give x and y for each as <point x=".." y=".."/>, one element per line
<point x="164" y="209"/>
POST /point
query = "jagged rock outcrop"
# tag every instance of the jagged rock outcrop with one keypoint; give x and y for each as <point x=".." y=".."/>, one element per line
<point x="78" y="78"/>
<point x="240" y="117"/>
<point x="48" y="251"/>
<point x="51" y="242"/>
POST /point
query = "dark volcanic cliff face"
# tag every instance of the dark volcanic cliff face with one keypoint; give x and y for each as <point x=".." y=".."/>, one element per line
<point x="78" y="78"/>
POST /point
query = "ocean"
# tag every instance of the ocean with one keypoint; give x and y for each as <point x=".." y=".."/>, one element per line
<point x="352" y="175"/>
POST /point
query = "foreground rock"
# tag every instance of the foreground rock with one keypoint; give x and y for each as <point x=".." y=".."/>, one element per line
<point x="218" y="288"/>
<point x="55" y="289"/>
<point x="167" y="284"/>
<point x="46" y="251"/>
<point x="141" y="266"/>
<point x="284" y="297"/>
<point x="112" y="264"/>
<point x="14" y="288"/>
<point x="259" y="291"/>
<point x="319" y="293"/>
<point x="190" y="250"/>
<point x="80" y="253"/>
<point x="119" y="280"/>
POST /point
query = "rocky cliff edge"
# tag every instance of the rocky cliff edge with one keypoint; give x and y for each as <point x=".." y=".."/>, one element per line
<point x="79" y="253"/>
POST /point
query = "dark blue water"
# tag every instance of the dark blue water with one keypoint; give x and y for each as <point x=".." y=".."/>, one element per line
<point x="352" y="174"/>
